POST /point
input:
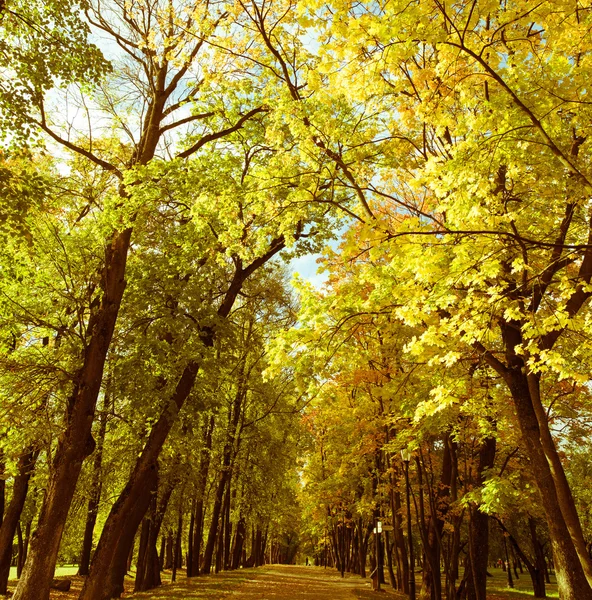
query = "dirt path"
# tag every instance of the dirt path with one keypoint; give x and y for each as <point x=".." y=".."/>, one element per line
<point x="269" y="583"/>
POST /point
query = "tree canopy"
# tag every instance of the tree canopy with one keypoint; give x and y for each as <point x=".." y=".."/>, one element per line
<point x="173" y="398"/>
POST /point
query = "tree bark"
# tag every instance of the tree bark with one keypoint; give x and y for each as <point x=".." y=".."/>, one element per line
<point x="76" y="442"/>
<point x="95" y="490"/>
<point x="26" y="464"/>
<point x="574" y="572"/>
<point x="118" y="535"/>
<point x="148" y="574"/>
<point x="571" y="578"/>
<point x="479" y="527"/>
<point x="94" y="588"/>
<point x="225" y="471"/>
<point x="432" y="581"/>
<point x="239" y="540"/>
<point x="204" y="468"/>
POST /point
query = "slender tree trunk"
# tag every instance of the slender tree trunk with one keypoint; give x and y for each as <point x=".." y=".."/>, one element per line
<point x="538" y="571"/>
<point x="432" y="580"/>
<point x="400" y="546"/>
<point x="190" y="541"/>
<point x="536" y="575"/>
<point x="216" y="510"/>
<point x="204" y="468"/>
<point x="479" y="527"/>
<point x="227" y="527"/>
<point x="149" y="577"/>
<point x="239" y="541"/>
<point x="95" y="490"/>
<point x="162" y="552"/>
<point x="564" y="495"/>
<point x="26" y="464"/>
<point x="20" y="550"/>
<point x="178" y="556"/>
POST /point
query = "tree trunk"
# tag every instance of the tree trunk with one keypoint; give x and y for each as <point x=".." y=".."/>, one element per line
<point x="432" y="581"/>
<point x="204" y="468"/>
<point x="215" y="522"/>
<point x="239" y="540"/>
<point x="2" y="486"/>
<point x="126" y="504"/>
<point x="76" y="442"/>
<point x="141" y="562"/>
<point x="573" y="566"/>
<point x="148" y="575"/>
<point x="95" y="490"/>
<point x="226" y="562"/>
<point x="399" y="538"/>
<point x="564" y="495"/>
<point x="571" y="578"/>
<point x="538" y="571"/>
<point x="26" y="464"/>
<point x="20" y="556"/>
<point x="479" y="527"/>
<point x="113" y="567"/>
<point x="170" y="543"/>
<point x="225" y="471"/>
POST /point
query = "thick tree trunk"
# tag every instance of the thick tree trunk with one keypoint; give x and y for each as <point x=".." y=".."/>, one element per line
<point x="2" y="486"/>
<point x="573" y="567"/>
<point x="141" y="562"/>
<point x="126" y="504"/>
<point x="76" y="442"/>
<point x="107" y="570"/>
<point x="26" y="464"/>
<point x="571" y="578"/>
<point x="148" y="573"/>
<point x="170" y="543"/>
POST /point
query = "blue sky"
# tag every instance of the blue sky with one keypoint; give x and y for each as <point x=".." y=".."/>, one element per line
<point x="306" y="266"/>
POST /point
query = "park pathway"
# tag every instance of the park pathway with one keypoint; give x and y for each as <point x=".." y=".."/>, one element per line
<point x="269" y="583"/>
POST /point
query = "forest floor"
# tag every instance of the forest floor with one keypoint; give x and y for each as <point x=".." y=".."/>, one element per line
<point x="287" y="583"/>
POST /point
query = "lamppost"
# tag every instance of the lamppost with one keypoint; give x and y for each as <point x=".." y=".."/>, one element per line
<point x="377" y="532"/>
<point x="406" y="457"/>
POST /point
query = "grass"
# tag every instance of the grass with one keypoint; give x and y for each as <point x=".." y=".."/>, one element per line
<point x="63" y="571"/>
<point x="497" y="586"/>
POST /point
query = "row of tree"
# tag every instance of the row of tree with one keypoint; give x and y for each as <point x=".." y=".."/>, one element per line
<point x="192" y="144"/>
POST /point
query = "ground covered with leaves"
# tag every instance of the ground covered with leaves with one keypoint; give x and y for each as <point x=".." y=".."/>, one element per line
<point x="289" y="583"/>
